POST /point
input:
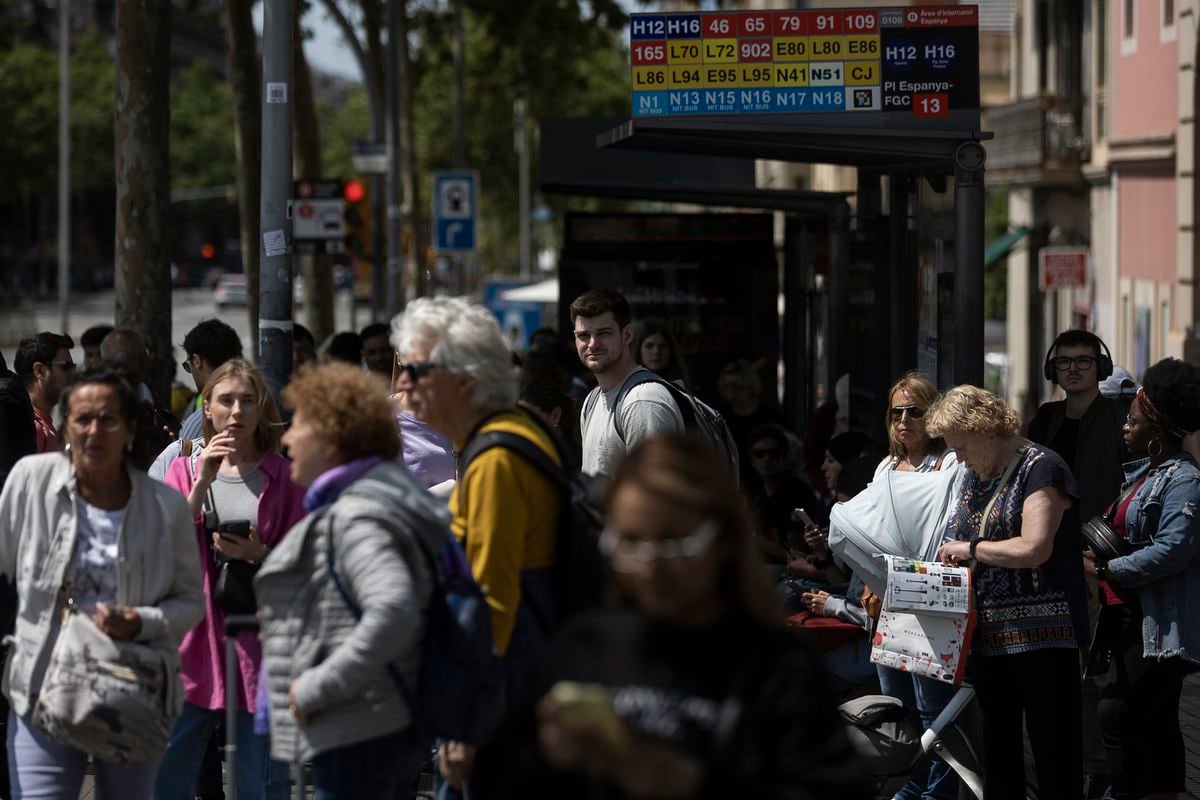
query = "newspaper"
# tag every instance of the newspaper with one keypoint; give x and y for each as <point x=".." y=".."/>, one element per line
<point x="927" y="620"/>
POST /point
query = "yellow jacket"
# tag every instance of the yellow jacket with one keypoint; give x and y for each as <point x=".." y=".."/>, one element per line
<point x="506" y="514"/>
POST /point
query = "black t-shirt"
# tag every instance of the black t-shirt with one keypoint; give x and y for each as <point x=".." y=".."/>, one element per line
<point x="1066" y="441"/>
<point x="746" y="701"/>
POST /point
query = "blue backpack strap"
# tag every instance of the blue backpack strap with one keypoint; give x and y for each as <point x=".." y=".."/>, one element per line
<point x="356" y="612"/>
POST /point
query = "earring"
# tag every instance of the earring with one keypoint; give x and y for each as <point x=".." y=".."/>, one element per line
<point x="129" y="447"/>
<point x="67" y="449"/>
<point x="1155" y="441"/>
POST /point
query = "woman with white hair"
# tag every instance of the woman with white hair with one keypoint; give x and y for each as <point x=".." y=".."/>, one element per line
<point x="457" y="372"/>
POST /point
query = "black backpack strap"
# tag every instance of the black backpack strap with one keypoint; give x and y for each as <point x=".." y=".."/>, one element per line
<point x="683" y="400"/>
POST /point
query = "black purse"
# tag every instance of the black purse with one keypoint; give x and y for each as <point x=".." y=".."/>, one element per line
<point x="1099" y="535"/>
<point x="233" y="592"/>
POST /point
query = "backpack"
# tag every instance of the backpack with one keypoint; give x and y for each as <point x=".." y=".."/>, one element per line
<point x="698" y="416"/>
<point x="460" y="684"/>
<point x="578" y="572"/>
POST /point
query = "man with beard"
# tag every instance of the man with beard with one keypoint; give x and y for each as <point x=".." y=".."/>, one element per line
<point x="603" y="339"/>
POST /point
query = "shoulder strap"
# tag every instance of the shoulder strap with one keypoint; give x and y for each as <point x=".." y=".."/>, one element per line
<point x="185" y="448"/>
<point x="523" y="447"/>
<point x="683" y="400"/>
<point x="1008" y="471"/>
<point x="357" y="613"/>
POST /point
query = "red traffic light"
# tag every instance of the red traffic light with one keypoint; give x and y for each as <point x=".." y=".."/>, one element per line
<point x="207" y="251"/>
<point x="354" y="191"/>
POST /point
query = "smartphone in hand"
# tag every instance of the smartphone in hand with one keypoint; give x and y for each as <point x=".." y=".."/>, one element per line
<point x="238" y="529"/>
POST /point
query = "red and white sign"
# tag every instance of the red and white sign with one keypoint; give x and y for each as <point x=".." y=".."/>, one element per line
<point x="1062" y="268"/>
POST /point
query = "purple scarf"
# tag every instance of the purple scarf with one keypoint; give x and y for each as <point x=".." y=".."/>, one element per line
<point x="330" y="483"/>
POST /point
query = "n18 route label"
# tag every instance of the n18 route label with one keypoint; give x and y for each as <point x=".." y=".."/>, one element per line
<point x="919" y="61"/>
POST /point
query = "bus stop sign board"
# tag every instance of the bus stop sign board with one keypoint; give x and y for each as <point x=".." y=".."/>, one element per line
<point x="921" y="62"/>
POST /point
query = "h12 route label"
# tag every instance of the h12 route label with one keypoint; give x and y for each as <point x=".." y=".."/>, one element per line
<point x="918" y="60"/>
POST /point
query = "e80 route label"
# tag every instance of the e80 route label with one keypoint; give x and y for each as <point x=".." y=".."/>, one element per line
<point x="921" y="61"/>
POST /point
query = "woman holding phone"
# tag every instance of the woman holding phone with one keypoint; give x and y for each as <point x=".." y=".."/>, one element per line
<point x="242" y="502"/>
<point x="694" y="688"/>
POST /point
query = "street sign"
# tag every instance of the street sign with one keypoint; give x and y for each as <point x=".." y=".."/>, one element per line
<point x="1062" y="268"/>
<point x="370" y="158"/>
<point x="317" y="216"/>
<point x="920" y="62"/>
<point x="455" y="210"/>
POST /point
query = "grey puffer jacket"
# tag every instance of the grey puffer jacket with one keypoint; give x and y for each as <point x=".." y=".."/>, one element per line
<point x="311" y="637"/>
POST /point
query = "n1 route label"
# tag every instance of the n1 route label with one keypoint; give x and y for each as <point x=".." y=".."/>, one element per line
<point x="919" y="60"/>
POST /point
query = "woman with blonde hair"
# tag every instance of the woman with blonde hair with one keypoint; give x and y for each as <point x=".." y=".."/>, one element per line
<point x="242" y="502"/>
<point x="912" y="449"/>
<point x="1014" y="522"/>
<point x="695" y="686"/>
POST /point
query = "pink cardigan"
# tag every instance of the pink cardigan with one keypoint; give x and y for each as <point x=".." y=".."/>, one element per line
<point x="202" y="654"/>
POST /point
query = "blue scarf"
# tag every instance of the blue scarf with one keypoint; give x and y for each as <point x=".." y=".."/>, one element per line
<point x="330" y="483"/>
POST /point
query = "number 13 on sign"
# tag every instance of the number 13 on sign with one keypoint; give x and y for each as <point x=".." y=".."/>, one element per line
<point x="931" y="105"/>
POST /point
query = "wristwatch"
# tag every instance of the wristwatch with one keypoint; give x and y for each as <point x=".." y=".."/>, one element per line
<point x="974" y="544"/>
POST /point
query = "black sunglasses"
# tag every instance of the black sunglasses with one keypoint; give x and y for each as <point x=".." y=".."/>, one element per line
<point x="187" y="365"/>
<point x="416" y="369"/>
<point x="914" y="412"/>
<point x="766" y="452"/>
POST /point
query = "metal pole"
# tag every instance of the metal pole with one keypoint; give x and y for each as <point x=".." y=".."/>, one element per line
<point x="275" y="265"/>
<point x="968" y="263"/>
<point x="64" y="164"/>
<point x="902" y="291"/>
<point x="520" y="114"/>
<point x="458" y="263"/>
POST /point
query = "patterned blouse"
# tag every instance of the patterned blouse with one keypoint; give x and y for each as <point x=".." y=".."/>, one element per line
<point x="1023" y="610"/>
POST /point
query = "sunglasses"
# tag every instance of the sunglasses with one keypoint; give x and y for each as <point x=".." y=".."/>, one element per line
<point x="766" y="452"/>
<point x="187" y="365"/>
<point x="65" y="366"/>
<point x="416" y="369"/>
<point x="914" y="412"/>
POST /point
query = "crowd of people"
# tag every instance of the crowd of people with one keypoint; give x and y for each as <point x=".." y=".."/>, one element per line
<point x="727" y="630"/>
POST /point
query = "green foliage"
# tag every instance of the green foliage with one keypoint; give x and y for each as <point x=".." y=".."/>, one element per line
<point x="203" y="152"/>
<point x="565" y="61"/>
<point x="350" y="122"/>
<point x="29" y="138"/>
<point x="995" y="275"/>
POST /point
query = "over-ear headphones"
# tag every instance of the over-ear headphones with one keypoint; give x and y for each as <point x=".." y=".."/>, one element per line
<point x="1104" y="361"/>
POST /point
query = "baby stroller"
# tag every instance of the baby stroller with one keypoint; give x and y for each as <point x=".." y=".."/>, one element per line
<point x="890" y="747"/>
<point x="901" y="514"/>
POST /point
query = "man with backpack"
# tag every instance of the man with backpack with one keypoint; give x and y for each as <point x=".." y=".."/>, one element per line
<point x="629" y="404"/>
<point x="456" y="369"/>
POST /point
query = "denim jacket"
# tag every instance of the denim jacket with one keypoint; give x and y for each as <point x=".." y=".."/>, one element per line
<point x="1164" y="567"/>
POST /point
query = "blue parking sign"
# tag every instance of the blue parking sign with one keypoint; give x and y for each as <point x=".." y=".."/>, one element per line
<point x="455" y="210"/>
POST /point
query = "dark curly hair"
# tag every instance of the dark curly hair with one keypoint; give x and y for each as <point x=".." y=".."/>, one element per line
<point x="1174" y="388"/>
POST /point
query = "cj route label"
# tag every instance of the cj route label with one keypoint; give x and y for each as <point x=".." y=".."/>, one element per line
<point x="921" y="61"/>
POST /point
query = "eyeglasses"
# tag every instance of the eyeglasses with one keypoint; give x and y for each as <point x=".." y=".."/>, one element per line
<point x="898" y="412"/>
<point x="634" y="555"/>
<point x="416" y="369"/>
<point x="766" y="452"/>
<point x="1082" y="363"/>
<point x="107" y="422"/>
<point x="67" y="366"/>
<point x="187" y="365"/>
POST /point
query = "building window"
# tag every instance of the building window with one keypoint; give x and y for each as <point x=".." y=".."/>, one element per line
<point x="1128" y="27"/>
<point x="1167" y="31"/>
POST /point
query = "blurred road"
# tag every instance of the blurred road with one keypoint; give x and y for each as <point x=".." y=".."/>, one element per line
<point x="189" y="306"/>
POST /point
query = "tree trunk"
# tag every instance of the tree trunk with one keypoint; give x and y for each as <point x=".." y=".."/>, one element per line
<point x="306" y="156"/>
<point x="418" y="238"/>
<point x="143" y="179"/>
<point x="247" y="127"/>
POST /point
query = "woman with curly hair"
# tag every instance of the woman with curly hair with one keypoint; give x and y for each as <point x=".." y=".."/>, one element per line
<point x="370" y="537"/>
<point x="1150" y="621"/>
<point x="1014" y="521"/>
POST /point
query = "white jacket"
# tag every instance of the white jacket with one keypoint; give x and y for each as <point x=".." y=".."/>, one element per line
<point x="158" y="568"/>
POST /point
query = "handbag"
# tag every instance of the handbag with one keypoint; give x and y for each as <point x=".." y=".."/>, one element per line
<point x="1099" y="535"/>
<point x="115" y="700"/>
<point x="233" y="591"/>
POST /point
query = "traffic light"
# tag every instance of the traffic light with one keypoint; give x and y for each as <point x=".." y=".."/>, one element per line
<point x="357" y="219"/>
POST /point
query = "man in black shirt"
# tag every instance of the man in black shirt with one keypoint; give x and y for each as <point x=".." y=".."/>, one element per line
<point x="1085" y="430"/>
<point x="774" y="492"/>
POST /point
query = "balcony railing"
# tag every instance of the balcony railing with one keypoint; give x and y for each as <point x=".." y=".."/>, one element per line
<point x="1034" y="133"/>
